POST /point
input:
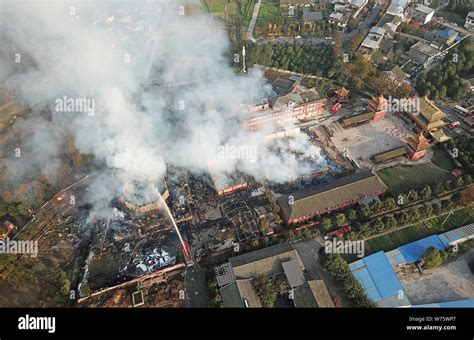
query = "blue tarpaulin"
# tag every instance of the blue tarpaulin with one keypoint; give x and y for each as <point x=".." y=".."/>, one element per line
<point x="413" y="252"/>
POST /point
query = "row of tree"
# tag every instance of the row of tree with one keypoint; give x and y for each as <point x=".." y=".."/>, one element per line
<point x="388" y="223"/>
<point x="312" y="59"/>
<point x="364" y="212"/>
<point x="339" y="270"/>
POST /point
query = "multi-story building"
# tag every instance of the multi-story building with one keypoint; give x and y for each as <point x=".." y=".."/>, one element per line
<point x="297" y="105"/>
<point x="470" y="21"/>
<point x="422" y="14"/>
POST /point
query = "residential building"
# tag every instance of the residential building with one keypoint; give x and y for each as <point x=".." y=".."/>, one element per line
<point x="310" y="16"/>
<point x="397" y="8"/>
<point x="422" y="52"/>
<point x="469" y="21"/>
<point x="422" y="14"/>
<point x="445" y="37"/>
<point x="373" y="39"/>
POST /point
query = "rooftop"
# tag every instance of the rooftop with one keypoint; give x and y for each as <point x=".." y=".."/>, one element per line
<point x="413" y="251"/>
<point x="423" y="9"/>
<point x="310" y="15"/>
<point x="424" y="48"/>
<point x="331" y="194"/>
<point x="377" y="277"/>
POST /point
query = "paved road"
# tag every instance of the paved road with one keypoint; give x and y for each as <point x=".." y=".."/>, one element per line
<point x="459" y="29"/>
<point x="253" y="21"/>
<point x="366" y="24"/>
<point x="291" y="40"/>
<point x="454" y="116"/>
<point x="196" y="287"/>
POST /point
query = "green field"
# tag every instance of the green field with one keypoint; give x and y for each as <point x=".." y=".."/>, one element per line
<point x="267" y="11"/>
<point x="247" y="7"/>
<point x="435" y="225"/>
<point x="402" y="178"/>
<point x="442" y="160"/>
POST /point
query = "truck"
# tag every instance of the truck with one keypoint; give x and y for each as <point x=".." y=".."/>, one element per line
<point x="335" y="108"/>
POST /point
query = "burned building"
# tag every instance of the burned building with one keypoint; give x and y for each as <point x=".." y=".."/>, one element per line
<point x="142" y="197"/>
<point x="299" y="104"/>
<point x="228" y="183"/>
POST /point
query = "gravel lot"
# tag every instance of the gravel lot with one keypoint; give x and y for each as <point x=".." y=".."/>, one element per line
<point x="453" y="281"/>
<point x="366" y="140"/>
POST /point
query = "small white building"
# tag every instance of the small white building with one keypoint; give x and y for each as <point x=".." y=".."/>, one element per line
<point x="397" y="8"/>
<point x="470" y="21"/>
<point x="373" y="39"/>
<point x="422" y="14"/>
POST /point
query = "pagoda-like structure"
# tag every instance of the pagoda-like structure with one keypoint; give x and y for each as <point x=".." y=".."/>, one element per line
<point x="341" y="95"/>
<point x="378" y="105"/>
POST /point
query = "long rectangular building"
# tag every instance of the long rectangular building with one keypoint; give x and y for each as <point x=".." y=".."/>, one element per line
<point x="327" y="197"/>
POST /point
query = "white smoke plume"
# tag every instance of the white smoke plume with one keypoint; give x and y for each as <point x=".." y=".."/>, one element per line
<point x="158" y="83"/>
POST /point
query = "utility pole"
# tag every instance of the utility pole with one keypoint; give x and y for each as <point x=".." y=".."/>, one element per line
<point x="244" y="69"/>
<point x="450" y="213"/>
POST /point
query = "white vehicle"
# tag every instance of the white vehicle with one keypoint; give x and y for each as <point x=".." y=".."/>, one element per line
<point x="298" y="37"/>
<point x="461" y="110"/>
<point x="328" y="38"/>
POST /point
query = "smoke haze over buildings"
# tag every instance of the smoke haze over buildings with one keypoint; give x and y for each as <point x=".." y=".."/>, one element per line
<point x="109" y="53"/>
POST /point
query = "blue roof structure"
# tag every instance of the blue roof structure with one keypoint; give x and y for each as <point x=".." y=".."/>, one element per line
<point x="468" y="303"/>
<point x="376" y="275"/>
<point x="447" y="33"/>
<point x="413" y="252"/>
<point x="463" y="233"/>
<point x="395" y="257"/>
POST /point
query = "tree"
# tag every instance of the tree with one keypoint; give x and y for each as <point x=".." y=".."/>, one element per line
<point x="376" y="207"/>
<point x="390" y="222"/>
<point x="439" y="188"/>
<point x="415" y="215"/>
<point x="425" y="192"/>
<point x="413" y="196"/>
<point x="436" y="207"/>
<point x="340" y="219"/>
<point x="458" y="183"/>
<point x="326" y="223"/>
<point x="351" y="215"/>
<point x="389" y="203"/>
<point x="363" y="211"/>
<point x="426" y="210"/>
<point x="269" y="288"/>
<point x="432" y="258"/>
<point x="467" y="179"/>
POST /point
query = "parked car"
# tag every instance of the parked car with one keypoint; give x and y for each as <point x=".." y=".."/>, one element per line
<point x="454" y="125"/>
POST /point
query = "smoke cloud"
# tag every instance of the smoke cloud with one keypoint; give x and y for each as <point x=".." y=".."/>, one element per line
<point x="158" y="77"/>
